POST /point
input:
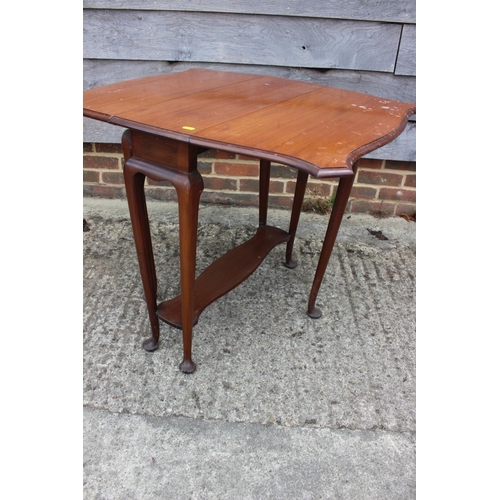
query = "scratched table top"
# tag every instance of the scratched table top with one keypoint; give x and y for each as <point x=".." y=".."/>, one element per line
<point x="319" y="129"/>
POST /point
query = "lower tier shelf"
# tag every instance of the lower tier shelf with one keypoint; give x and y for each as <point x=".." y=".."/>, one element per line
<point x="225" y="274"/>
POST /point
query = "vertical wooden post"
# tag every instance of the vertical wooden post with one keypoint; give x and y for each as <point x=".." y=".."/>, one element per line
<point x="134" y="186"/>
<point x="188" y="192"/>
<point x="298" y="200"/>
<point x="264" y="176"/>
<point x="341" y="199"/>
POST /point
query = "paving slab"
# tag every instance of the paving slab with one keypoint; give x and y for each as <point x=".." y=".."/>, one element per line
<point x="135" y="456"/>
<point x="272" y="385"/>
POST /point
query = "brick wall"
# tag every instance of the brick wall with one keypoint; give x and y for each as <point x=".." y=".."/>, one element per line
<point x="381" y="186"/>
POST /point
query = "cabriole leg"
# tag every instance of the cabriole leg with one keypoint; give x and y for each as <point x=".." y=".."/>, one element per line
<point x="188" y="193"/>
<point x="134" y="185"/>
<point x="341" y="199"/>
<point x="298" y="200"/>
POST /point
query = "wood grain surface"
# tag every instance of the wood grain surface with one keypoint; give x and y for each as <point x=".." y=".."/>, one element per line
<point x="318" y="129"/>
<point x="240" y="39"/>
<point x="381" y="10"/>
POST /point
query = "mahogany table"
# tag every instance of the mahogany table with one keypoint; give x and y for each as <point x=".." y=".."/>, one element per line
<point x="170" y="119"/>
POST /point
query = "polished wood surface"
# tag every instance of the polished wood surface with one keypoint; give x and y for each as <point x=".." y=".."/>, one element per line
<point x="320" y="130"/>
<point x="225" y="274"/>
<point x="171" y="118"/>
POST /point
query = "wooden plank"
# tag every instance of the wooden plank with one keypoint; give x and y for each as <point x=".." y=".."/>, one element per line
<point x="407" y="55"/>
<point x="381" y="10"/>
<point x="240" y="39"/>
<point x="100" y="132"/>
<point x="98" y="72"/>
<point x="224" y="274"/>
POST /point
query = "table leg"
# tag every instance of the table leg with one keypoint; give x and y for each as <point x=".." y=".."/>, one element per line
<point x="134" y="185"/>
<point x="341" y="199"/>
<point x="189" y="187"/>
<point x="298" y="200"/>
<point x="264" y="176"/>
<point x="188" y="192"/>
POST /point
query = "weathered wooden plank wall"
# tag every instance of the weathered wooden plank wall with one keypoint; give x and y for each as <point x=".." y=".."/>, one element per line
<point x="399" y="11"/>
<point x="359" y="45"/>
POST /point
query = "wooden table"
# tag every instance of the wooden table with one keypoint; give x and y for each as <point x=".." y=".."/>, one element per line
<point x="170" y="119"/>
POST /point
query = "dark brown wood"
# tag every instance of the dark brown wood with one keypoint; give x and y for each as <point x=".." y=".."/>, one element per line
<point x="162" y="150"/>
<point x="298" y="200"/>
<point x="189" y="199"/>
<point x="264" y="177"/>
<point x="386" y="85"/>
<point x="189" y="186"/>
<point x="341" y="199"/>
<point x="134" y="185"/>
<point x="320" y="131"/>
<point x="223" y="275"/>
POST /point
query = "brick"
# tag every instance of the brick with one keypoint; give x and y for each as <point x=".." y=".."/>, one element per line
<point x="102" y="162"/>
<point x="100" y="191"/>
<point x="410" y="166"/>
<point x="224" y="155"/>
<point x="383" y="208"/>
<point x="408" y="209"/>
<point x="277" y="201"/>
<point x="318" y="189"/>
<point x="225" y="198"/>
<point x="220" y="183"/>
<point x="112" y="178"/>
<point x="363" y="192"/>
<point x="252" y="185"/>
<point x="314" y="189"/>
<point x="370" y="207"/>
<point x="290" y="187"/>
<point x="380" y="178"/>
<point x="370" y="163"/>
<point x="397" y="194"/>
<point x="151" y="182"/>
<point x="90" y="176"/>
<point x="88" y="147"/>
<point x="282" y="171"/>
<point x="276" y="187"/>
<point x="411" y="181"/>
<point x="236" y="169"/>
<point x="205" y="167"/>
<point x="108" y="148"/>
<point x="161" y="194"/>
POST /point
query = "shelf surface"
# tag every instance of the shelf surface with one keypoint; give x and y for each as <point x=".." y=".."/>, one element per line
<point x="225" y="274"/>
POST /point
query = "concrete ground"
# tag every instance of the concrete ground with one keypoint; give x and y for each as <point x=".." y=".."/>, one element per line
<point x="281" y="406"/>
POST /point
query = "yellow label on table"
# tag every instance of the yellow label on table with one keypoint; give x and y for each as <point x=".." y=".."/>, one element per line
<point x="188" y="128"/>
